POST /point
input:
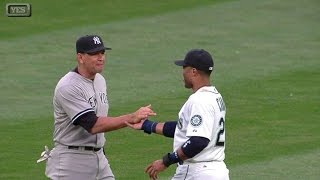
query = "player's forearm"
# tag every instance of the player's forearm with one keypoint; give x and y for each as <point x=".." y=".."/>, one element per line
<point x="105" y="124"/>
<point x="167" y="128"/>
<point x="182" y="155"/>
<point x="189" y="149"/>
<point x="159" y="128"/>
<point x="174" y="157"/>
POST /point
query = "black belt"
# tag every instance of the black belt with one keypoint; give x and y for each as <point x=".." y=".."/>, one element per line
<point x="87" y="148"/>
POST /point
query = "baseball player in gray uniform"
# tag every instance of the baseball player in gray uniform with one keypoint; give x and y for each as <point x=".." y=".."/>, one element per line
<point x="199" y="134"/>
<point x="81" y="117"/>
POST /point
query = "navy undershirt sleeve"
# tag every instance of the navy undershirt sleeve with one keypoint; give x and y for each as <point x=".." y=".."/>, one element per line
<point x="87" y="120"/>
<point x="169" y="128"/>
<point x="194" y="146"/>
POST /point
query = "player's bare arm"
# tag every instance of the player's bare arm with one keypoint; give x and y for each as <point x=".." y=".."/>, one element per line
<point x="158" y="127"/>
<point x="162" y="128"/>
<point x="105" y="124"/>
<point x="159" y="165"/>
<point x="189" y="149"/>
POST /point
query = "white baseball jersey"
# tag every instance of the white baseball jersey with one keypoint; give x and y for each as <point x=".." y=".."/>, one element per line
<point x="203" y="115"/>
<point x="74" y="96"/>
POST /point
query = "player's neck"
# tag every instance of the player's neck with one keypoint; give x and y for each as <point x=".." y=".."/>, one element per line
<point x="85" y="73"/>
<point x="199" y="85"/>
<point x="199" y="81"/>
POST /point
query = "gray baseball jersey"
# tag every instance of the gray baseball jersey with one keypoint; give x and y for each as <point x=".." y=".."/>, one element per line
<point x="76" y="95"/>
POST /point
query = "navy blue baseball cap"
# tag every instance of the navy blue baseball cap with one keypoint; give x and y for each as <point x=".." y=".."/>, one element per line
<point x="90" y="44"/>
<point x="197" y="58"/>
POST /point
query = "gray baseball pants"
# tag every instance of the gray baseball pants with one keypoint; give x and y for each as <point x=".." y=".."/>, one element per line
<point x="77" y="164"/>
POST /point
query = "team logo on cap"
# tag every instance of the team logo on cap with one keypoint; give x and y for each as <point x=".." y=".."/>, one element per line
<point x="96" y="40"/>
<point x="196" y="120"/>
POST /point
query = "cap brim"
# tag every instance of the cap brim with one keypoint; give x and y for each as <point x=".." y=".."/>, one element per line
<point x="180" y="63"/>
<point x="98" y="49"/>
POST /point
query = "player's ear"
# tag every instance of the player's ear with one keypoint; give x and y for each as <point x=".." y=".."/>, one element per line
<point x="194" y="71"/>
<point x="80" y="58"/>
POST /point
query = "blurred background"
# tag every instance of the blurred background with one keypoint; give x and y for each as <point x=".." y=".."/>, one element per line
<point x="266" y="67"/>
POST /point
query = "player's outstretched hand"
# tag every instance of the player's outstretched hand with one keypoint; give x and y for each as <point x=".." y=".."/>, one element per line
<point x="137" y="126"/>
<point x="142" y="114"/>
<point x="155" y="168"/>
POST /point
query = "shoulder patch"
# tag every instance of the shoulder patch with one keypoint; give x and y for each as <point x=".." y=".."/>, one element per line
<point x="196" y="120"/>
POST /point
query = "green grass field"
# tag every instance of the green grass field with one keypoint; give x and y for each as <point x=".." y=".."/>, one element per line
<point x="267" y="68"/>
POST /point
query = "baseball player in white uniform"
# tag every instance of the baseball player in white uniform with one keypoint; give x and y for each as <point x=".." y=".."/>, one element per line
<point x="199" y="134"/>
<point x="81" y="117"/>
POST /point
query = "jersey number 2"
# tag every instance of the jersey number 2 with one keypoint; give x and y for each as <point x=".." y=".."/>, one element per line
<point x="220" y="133"/>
